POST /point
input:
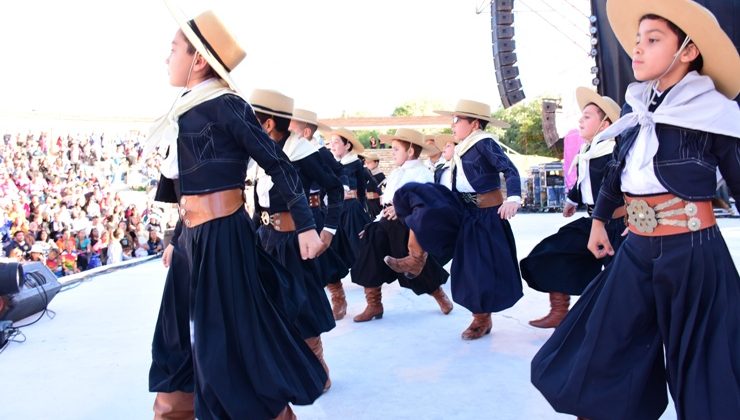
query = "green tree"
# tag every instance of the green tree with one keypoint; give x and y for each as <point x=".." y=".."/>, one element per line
<point x="525" y="132"/>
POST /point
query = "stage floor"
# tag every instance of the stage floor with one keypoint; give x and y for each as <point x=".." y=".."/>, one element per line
<point x="91" y="360"/>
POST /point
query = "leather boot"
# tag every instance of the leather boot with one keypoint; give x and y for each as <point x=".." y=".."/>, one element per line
<point x="176" y="405"/>
<point x="314" y="343"/>
<point x="338" y="301"/>
<point x="445" y="305"/>
<point x="559" y="303"/>
<point x="480" y="326"/>
<point x="412" y="264"/>
<point x="286" y="414"/>
<point x="374" y="307"/>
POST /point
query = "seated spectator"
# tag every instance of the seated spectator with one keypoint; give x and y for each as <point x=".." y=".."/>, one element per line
<point x="140" y="243"/>
<point x="44" y="240"/>
<point x="36" y="254"/>
<point x="101" y="246"/>
<point x="18" y="242"/>
<point x="82" y="244"/>
<point x="69" y="258"/>
<point x="128" y="249"/>
<point x="115" y="248"/>
<point x="54" y="262"/>
<point x="154" y="244"/>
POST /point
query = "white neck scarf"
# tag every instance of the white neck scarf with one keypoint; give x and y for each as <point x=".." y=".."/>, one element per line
<point x="296" y="148"/>
<point x="466" y="145"/>
<point x="693" y="103"/>
<point x="584" y="157"/>
<point x="348" y="158"/>
<point x="163" y="134"/>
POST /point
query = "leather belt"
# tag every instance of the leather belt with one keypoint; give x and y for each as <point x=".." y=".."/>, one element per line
<point x="198" y="209"/>
<point x="372" y="195"/>
<point x="281" y="222"/>
<point x="666" y="214"/>
<point x="484" y="200"/>
<point x="350" y="195"/>
<point x="314" y="200"/>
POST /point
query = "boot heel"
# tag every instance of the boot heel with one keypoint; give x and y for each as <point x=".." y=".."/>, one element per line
<point x="379" y="316"/>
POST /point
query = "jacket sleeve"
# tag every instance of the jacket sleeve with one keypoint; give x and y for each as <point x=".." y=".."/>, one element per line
<point x="361" y="183"/>
<point x="727" y="150"/>
<point x="574" y="194"/>
<point x="314" y="168"/>
<point x="610" y="194"/>
<point x="243" y="126"/>
<point x="176" y="233"/>
<point x="495" y="155"/>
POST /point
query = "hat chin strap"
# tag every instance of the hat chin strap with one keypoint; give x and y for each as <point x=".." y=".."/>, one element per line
<point x="654" y="85"/>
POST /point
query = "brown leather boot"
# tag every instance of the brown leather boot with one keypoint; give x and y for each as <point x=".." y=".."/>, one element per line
<point x="314" y="343"/>
<point x="176" y="405"/>
<point x="559" y="303"/>
<point x="338" y="301"/>
<point x="445" y="305"/>
<point x="374" y="307"/>
<point x="286" y="414"/>
<point x="412" y="264"/>
<point x="480" y="326"/>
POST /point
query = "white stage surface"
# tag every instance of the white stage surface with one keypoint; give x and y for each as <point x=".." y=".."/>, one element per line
<point x="91" y="360"/>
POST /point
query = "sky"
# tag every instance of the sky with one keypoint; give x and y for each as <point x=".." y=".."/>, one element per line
<point x="336" y="57"/>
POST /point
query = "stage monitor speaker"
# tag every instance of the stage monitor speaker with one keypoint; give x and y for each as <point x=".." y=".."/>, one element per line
<point x="504" y="57"/>
<point x="38" y="287"/>
<point x="549" y="130"/>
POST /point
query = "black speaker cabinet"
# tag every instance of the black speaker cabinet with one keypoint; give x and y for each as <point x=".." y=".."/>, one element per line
<point x="38" y="288"/>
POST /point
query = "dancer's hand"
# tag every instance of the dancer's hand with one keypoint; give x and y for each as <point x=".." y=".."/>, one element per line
<point x="326" y="237"/>
<point x="167" y="255"/>
<point x="508" y="209"/>
<point x="310" y="244"/>
<point x="569" y="209"/>
<point x="598" y="241"/>
<point x="390" y="213"/>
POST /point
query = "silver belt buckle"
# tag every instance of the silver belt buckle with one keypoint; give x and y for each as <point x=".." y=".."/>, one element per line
<point x="265" y="218"/>
<point x="641" y="216"/>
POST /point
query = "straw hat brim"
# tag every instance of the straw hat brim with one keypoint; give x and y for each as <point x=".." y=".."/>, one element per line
<point x="370" y="156"/>
<point x="388" y="139"/>
<point x="183" y="23"/>
<point x="585" y="96"/>
<point x="271" y="112"/>
<point x="491" y="121"/>
<point x="357" y="147"/>
<point x="442" y="141"/>
<point x="721" y="60"/>
<point x="321" y="126"/>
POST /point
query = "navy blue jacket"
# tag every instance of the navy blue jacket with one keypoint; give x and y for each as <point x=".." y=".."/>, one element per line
<point x="312" y="170"/>
<point x="438" y="171"/>
<point x="596" y="168"/>
<point x="216" y="140"/>
<point x="685" y="165"/>
<point x="373" y="181"/>
<point x="482" y="165"/>
<point x="353" y="175"/>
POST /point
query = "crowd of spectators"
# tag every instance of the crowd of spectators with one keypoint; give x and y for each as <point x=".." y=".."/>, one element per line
<point x="67" y="200"/>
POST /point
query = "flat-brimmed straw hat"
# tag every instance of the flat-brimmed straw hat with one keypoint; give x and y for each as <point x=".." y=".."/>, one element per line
<point x="721" y="60"/>
<point x="272" y="102"/>
<point x="473" y="109"/>
<point x="370" y="156"/>
<point x="309" y="117"/>
<point x="212" y="40"/>
<point x="585" y="96"/>
<point x="441" y="140"/>
<point x="432" y="148"/>
<point x="410" y="136"/>
<point x="348" y="135"/>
